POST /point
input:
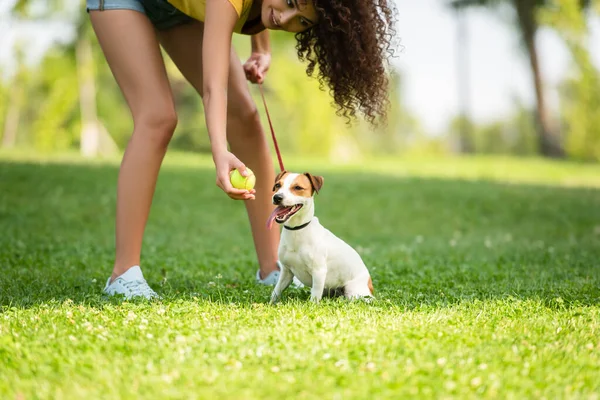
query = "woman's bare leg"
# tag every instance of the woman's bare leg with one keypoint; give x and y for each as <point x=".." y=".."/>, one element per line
<point x="244" y="132"/>
<point x="131" y="48"/>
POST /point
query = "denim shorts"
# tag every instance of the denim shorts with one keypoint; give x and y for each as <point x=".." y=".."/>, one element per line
<point x="161" y="13"/>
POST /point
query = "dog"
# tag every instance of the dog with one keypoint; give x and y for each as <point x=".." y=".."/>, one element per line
<point x="309" y="251"/>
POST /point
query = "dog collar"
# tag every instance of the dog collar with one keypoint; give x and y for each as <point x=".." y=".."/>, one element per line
<point x="295" y="228"/>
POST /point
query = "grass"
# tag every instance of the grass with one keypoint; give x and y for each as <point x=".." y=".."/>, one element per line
<point x="487" y="273"/>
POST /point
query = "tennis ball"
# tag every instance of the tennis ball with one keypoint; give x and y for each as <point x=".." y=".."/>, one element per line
<point x="240" y="182"/>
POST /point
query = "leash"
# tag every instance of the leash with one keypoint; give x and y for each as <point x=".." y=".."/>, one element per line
<point x="272" y="130"/>
<point x="295" y="228"/>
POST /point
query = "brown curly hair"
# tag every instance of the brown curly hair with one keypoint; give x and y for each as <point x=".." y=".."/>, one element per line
<point x="351" y="45"/>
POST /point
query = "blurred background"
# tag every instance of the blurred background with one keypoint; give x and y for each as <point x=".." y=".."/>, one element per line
<point x="512" y="77"/>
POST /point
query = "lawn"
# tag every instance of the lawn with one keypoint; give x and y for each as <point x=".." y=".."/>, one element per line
<point x="486" y="271"/>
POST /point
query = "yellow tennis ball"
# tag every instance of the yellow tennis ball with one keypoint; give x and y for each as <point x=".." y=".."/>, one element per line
<point x="240" y="182"/>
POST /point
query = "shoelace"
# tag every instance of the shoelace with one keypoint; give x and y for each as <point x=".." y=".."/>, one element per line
<point x="140" y="288"/>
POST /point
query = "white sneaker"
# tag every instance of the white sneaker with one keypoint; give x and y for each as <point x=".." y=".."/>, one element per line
<point x="130" y="284"/>
<point x="273" y="277"/>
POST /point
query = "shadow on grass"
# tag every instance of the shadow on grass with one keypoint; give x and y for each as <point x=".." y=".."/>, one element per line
<point x="428" y="242"/>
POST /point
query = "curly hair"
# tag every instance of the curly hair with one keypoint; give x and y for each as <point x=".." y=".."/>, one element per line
<point x="351" y="46"/>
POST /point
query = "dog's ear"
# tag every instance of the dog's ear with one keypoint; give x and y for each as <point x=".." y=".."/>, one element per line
<point x="278" y="177"/>
<point x="315" y="181"/>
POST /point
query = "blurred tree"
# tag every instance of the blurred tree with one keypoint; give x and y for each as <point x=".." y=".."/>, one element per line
<point x="15" y="96"/>
<point x="52" y="112"/>
<point x="581" y="91"/>
<point x="521" y="135"/>
<point x="461" y="130"/>
<point x="515" y="134"/>
<point x="50" y="128"/>
<point x="525" y="12"/>
<point x="72" y="95"/>
<point x="464" y="125"/>
<point x="403" y="131"/>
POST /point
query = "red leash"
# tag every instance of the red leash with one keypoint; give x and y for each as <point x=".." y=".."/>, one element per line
<point x="272" y="130"/>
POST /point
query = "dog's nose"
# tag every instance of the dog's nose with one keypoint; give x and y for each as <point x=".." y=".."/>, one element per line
<point x="277" y="199"/>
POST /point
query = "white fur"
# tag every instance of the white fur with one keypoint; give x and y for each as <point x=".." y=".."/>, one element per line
<point x="317" y="257"/>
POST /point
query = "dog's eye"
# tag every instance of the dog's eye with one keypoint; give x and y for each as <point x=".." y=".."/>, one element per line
<point x="277" y="186"/>
<point x="298" y="187"/>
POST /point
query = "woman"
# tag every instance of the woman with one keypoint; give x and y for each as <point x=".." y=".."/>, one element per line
<point x="346" y="41"/>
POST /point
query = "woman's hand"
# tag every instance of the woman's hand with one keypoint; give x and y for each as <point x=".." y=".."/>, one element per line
<point x="220" y="19"/>
<point x="225" y="162"/>
<point x="257" y="66"/>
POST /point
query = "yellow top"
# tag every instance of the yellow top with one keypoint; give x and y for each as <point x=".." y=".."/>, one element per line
<point x="195" y="9"/>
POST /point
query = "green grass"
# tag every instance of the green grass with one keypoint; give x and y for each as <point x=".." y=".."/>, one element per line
<point x="487" y="273"/>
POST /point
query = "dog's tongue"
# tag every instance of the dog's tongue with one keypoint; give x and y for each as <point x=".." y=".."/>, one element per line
<point x="275" y="212"/>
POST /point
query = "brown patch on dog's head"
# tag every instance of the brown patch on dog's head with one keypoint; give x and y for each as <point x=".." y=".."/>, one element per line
<point x="279" y="180"/>
<point x="301" y="186"/>
<point x="316" y="182"/>
<point x="370" y="284"/>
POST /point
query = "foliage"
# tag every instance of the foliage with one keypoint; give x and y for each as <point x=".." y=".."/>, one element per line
<point x="528" y="18"/>
<point x="55" y="125"/>
<point x="304" y="116"/>
<point x="581" y="91"/>
<point x="514" y="134"/>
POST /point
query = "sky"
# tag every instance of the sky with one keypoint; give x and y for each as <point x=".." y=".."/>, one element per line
<point x="428" y="63"/>
<point x="37" y="37"/>
<point x="499" y="69"/>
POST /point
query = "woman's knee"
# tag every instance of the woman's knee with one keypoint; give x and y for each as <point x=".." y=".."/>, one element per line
<point x="156" y="126"/>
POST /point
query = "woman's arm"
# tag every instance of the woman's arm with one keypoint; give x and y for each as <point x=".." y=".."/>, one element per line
<point x="220" y="19"/>
<point x="258" y="64"/>
<point x="261" y="42"/>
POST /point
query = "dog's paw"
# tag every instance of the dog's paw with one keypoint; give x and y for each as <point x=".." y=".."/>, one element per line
<point x="315" y="299"/>
<point x="274" y="298"/>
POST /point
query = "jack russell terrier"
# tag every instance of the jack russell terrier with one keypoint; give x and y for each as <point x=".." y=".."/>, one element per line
<point x="309" y="251"/>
